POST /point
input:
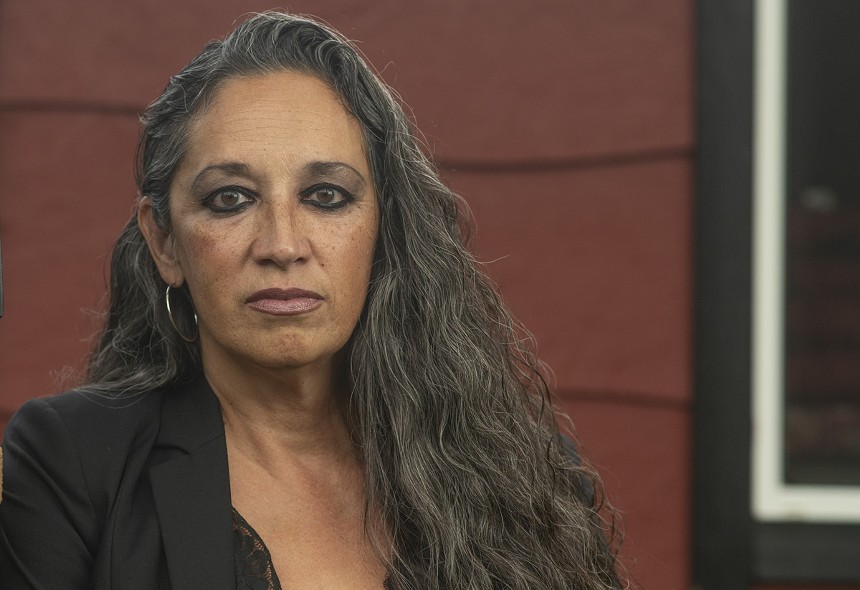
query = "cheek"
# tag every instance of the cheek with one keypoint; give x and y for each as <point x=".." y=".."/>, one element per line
<point x="363" y="246"/>
<point x="204" y="256"/>
<point x="353" y="265"/>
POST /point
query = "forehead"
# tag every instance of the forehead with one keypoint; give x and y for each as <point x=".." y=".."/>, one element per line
<point x="290" y="114"/>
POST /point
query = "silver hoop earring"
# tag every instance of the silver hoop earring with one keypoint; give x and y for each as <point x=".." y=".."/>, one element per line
<point x="173" y="322"/>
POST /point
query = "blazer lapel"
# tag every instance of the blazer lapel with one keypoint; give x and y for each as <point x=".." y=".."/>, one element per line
<point x="191" y="487"/>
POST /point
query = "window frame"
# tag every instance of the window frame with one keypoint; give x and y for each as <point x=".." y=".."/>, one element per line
<point x="773" y="500"/>
<point x="732" y="548"/>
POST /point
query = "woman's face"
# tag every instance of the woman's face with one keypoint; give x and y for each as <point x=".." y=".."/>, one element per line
<point x="274" y="222"/>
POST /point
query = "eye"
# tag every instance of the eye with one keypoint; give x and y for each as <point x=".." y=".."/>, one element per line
<point x="326" y="196"/>
<point x="228" y="199"/>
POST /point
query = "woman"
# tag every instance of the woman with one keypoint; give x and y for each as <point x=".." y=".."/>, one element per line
<point x="303" y="380"/>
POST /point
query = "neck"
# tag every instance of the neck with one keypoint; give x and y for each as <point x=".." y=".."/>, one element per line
<point x="273" y="415"/>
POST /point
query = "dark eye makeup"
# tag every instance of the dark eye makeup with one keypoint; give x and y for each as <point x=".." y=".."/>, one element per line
<point x="233" y="199"/>
<point x="228" y="199"/>
<point x="326" y="196"/>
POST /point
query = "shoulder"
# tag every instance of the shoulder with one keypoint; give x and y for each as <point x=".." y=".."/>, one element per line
<point x="76" y="439"/>
<point x="91" y="421"/>
<point x="66" y="459"/>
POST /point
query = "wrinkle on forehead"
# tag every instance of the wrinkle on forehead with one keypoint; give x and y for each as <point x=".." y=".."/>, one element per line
<point x="244" y="110"/>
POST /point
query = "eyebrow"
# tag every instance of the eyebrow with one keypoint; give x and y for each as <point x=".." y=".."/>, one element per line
<point x="325" y="168"/>
<point x="231" y="168"/>
<point x="313" y="169"/>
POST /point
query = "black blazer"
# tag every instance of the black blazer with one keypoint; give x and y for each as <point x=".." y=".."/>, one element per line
<point x="130" y="494"/>
<point x="107" y="494"/>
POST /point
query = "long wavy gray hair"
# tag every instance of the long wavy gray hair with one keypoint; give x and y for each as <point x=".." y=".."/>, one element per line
<point x="465" y="470"/>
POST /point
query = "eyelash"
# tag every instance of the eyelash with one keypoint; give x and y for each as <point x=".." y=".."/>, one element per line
<point x="209" y="200"/>
<point x="306" y="196"/>
<point x="346" y="196"/>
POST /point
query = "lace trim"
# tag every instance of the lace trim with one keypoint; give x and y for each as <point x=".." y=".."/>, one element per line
<point x="254" y="567"/>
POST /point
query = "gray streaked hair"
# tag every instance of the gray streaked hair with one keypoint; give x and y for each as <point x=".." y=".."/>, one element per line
<point x="466" y="473"/>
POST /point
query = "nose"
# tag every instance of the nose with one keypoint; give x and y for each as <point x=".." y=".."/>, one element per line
<point x="281" y="237"/>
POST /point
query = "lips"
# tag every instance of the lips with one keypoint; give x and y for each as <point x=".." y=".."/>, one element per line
<point x="284" y="301"/>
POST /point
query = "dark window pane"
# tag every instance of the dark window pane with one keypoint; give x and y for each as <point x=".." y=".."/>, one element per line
<point x="822" y="418"/>
<point x="823" y="244"/>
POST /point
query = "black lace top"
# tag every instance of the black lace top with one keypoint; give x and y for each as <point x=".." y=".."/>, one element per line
<point x="254" y="568"/>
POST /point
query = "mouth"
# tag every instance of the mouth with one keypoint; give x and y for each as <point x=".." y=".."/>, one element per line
<point x="284" y="301"/>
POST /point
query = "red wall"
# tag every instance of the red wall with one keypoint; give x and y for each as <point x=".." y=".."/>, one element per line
<point x="567" y="125"/>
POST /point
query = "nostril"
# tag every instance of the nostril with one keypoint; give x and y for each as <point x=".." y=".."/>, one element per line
<point x="280" y="240"/>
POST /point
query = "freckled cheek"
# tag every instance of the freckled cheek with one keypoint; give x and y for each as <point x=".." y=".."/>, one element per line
<point x="349" y="258"/>
<point x="205" y="261"/>
<point x="363" y="245"/>
<point x="361" y="237"/>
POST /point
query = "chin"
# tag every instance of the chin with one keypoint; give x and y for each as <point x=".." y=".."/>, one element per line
<point x="274" y="354"/>
<point x="287" y="360"/>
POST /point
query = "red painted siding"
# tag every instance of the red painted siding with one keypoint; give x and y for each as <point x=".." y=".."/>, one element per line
<point x="567" y="125"/>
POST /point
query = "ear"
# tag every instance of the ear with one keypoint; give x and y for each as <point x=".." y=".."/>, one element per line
<point x="160" y="244"/>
